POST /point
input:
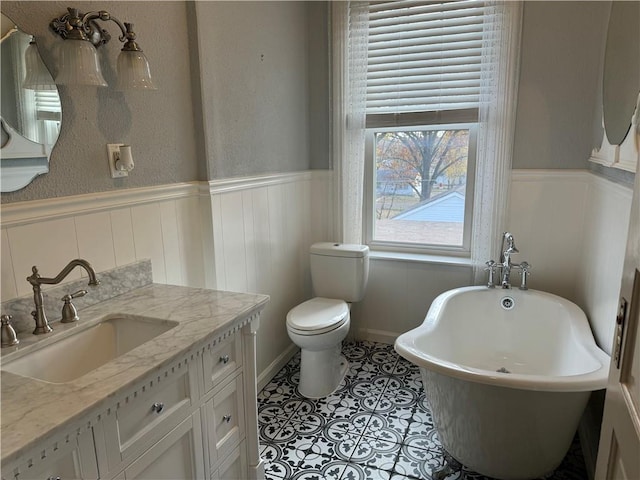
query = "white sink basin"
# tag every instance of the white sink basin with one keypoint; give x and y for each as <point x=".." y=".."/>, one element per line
<point x="82" y="352"/>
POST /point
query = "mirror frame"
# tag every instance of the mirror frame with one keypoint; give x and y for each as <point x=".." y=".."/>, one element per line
<point x="20" y="149"/>
<point x="22" y="159"/>
<point x="621" y="72"/>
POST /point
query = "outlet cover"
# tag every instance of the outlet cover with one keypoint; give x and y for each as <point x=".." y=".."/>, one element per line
<point x="112" y="149"/>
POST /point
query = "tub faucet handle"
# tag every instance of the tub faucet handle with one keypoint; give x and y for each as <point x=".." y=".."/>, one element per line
<point x="491" y="267"/>
<point x="526" y="271"/>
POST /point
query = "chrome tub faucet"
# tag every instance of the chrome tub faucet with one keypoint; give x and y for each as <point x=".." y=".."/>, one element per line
<point x="506" y="265"/>
<point x="42" y="324"/>
<point x="508" y="249"/>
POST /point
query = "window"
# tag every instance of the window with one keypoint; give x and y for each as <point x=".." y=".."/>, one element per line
<point x="422" y="99"/>
<point x="48" y="115"/>
<point x="422" y="180"/>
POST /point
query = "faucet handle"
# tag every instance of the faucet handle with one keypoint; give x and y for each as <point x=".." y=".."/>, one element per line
<point x="525" y="267"/>
<point x="491" y="266"/>
<point x="69" y="311"/>
<point x="70" y="296"/>
<point x="9" y="337"/>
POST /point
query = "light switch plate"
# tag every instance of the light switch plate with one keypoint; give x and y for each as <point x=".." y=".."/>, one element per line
<point x="113" y="148"/>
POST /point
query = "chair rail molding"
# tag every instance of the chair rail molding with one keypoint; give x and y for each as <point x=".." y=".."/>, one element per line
<point x="224" y="185"/>
<point x="31" y="211"/>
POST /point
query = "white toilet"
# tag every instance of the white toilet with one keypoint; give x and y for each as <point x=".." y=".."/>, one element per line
<point x="339" y="274"/>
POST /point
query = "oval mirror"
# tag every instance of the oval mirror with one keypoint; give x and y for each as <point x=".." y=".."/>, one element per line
<point x="30" y="107"/>
<point x="621" y="76"/>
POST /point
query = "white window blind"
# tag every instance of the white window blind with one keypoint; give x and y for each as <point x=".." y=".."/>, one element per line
<point x="48" y="105"/>
<point x="424" y="57"/>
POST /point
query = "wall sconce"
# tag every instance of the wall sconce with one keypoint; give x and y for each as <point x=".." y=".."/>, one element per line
<point x="79" y="63"/>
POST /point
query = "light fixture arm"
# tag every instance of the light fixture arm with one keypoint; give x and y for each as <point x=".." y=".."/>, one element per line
<point x="78" y="26"/>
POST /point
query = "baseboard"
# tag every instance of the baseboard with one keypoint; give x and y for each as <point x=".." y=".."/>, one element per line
<point x="257" y="472"/>
<point x="372" y="335"/>
<point x="274" y="367"/>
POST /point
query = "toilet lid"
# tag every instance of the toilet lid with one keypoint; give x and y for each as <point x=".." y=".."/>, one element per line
<point x="318" y="314"/>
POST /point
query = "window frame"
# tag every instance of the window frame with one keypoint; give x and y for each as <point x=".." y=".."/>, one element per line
<point x="369" y="196"/>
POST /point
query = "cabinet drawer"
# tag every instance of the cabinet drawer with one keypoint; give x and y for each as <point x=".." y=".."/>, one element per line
<point x="221" y="360"/>
<point x="148" y="416"/>
<point x="224" y="414"/>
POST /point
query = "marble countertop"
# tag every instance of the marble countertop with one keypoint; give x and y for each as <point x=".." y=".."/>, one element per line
<point x="32" y="410"/>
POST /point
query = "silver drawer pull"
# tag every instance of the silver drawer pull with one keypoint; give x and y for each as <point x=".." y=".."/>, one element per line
<point x="227" y="418"/>
<point x="157" y="407"/>
<point x="53" y="478"/>
<point x="224" y="359"/>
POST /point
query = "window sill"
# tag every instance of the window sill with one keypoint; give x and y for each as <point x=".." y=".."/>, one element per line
<point x="420" y="258"/>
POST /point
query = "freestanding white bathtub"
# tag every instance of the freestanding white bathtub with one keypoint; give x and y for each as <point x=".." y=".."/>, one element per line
<point x="507" y="374"/>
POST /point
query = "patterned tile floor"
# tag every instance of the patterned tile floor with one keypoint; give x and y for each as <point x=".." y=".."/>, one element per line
<point x="377" y="425"/>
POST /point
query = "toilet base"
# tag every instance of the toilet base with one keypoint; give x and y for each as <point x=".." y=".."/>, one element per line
<point x="321" y="371"/>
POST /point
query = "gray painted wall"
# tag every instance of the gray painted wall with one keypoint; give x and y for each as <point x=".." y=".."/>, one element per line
<point x="264" y="75"/>
<point x="319" y="85"/>
<point x="245" y="93"/>
<point x="252" y="96"/>
<point x="562" y="45"/>
<point x="159" y="125"/>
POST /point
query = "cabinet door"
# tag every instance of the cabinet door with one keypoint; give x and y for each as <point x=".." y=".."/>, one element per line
<point x="178" y="455"/>
<point x="224" y="414"/>
<point x="234" y="466"/>
<point x="75" y="460"/>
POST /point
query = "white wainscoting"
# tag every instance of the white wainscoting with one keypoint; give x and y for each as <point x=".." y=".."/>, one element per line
<point x="547" y="212"/>
<point x="108" y="229"/>
<point x="572" y="227"/>
<point x="252" y="234"/>
<point x="399" y="294"/>
<point x="604" y="242"/>
<point x="243" y="234"/>
<point x="262" y="230"/>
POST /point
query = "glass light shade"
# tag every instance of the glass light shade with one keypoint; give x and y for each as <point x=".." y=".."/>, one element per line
<point x="133" y="71"/>
<point x="79" y="64"/>
<point x="37" y="77"/>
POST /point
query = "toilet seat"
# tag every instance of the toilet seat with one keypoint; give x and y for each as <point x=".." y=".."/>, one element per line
<point x="318" y="315"/>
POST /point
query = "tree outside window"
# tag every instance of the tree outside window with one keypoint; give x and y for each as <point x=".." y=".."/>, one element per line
<point x="416" y="167"/>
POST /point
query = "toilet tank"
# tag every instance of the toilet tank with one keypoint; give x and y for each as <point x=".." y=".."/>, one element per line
<point x="339" y="270"/>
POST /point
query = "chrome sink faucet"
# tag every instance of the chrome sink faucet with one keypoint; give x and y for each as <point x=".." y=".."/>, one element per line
<point x="42" y="324"/>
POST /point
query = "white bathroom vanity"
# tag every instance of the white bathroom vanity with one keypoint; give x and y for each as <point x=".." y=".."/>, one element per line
<point x="179" y="405"/>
